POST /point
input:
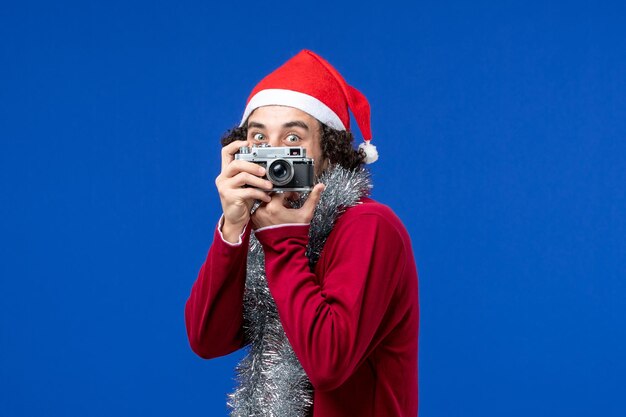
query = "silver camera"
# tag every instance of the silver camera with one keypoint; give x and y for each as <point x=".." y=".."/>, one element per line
<point x="287" y="167"/>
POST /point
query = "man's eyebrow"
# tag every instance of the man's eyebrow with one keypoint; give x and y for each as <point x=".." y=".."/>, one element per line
<point x="297" y="123"/>
<point x="256" y="125"/>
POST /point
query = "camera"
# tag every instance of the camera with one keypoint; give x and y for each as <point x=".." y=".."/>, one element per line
<point x="287" y="167"/>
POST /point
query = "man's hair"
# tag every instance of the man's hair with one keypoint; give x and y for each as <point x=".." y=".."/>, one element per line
<point x="336" y="145"/>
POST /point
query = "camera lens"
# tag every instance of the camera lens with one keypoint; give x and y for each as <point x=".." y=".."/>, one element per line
<point x="279" y="172"/>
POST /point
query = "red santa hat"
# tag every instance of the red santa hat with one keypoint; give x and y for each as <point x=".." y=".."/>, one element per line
<point x="309" y="83"/>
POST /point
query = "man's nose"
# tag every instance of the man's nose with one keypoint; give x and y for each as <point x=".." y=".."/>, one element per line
<point x="274" y="141"/>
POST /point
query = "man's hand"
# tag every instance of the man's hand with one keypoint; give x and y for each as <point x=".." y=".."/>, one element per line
<point x="236" y="199"/>
<point x="277" y="211"/>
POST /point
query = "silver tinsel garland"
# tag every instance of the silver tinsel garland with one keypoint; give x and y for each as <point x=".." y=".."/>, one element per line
<point x="271" y="381"/>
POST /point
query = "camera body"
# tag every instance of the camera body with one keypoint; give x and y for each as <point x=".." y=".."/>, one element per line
<point x="287" y="167"/>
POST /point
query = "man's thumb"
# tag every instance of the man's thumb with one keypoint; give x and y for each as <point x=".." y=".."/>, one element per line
<point x="314" y="197"/>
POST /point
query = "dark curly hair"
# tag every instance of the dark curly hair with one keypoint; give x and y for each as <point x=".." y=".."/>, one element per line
<point x="337" y="145"/>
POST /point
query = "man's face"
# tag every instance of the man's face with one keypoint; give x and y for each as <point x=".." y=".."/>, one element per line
<point x="286" y="126"/>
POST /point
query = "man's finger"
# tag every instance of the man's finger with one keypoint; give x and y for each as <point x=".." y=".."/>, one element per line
<point x="251" y="194"/>
<point x="236" y="167"/>
<point x="314" y="198"/>
<point x="278" y="199"/>
<point x="243" y="178"/>
<point x="230" y="150"/>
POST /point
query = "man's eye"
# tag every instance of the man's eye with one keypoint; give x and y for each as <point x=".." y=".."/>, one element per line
<point x="259" y="136"/>
<point x="293" y="138"/>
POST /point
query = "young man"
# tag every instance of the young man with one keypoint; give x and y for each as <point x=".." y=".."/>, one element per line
<point x="323" y="290"/>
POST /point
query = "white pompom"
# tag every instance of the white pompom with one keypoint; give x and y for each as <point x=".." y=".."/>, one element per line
<point x="371" y="154"/>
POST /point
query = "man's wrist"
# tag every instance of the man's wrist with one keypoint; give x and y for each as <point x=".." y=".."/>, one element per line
<point x="231" y="233"/>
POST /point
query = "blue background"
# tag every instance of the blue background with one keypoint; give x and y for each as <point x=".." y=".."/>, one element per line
<point x="501" y="128"/>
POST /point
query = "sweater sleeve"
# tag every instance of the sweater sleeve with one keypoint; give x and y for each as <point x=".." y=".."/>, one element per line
<point x="214" y="309"/>
<point x="333" y="321"/>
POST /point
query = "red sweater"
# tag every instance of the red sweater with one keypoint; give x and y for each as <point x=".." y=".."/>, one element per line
<point x="353" y="323"/>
